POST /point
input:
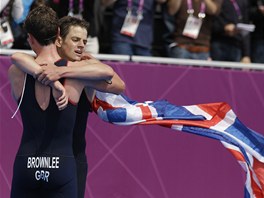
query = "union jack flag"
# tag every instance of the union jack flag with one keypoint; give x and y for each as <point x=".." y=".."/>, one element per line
<point x="212" y="120"/>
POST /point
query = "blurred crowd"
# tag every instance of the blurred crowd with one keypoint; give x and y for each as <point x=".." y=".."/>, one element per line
<point x="222" y="30"/>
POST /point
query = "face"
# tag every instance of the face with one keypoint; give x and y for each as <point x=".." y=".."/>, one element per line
<point x="74" y="44"/>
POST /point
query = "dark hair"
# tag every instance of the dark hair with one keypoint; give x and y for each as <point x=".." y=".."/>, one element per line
<point x="66" y="22"/>
<point x="42" y="23"/>
<point x="37" y="3"/>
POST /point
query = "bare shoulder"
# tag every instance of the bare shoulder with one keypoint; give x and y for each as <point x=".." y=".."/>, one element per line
<point x="16" y="77"/>
<point x="15" y="73"/>
<point x="74" y="89"/>
<point x="92" y="60"/>
<point x="84" y="62"/>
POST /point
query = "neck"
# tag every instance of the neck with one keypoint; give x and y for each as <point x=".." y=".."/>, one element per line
<point x="48" y="53"/>
<point x="62" y="55"/>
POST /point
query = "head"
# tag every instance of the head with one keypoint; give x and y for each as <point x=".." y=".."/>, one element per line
<point x="41" y="25"/>
<point x="73" y="33"/>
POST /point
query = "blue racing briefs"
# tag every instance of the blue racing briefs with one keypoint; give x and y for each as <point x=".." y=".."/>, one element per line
<point x="44" y="176"/>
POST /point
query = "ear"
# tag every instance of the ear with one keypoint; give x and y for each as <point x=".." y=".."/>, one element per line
<point x="58" y="41"/>
<point x="30" y="38"/>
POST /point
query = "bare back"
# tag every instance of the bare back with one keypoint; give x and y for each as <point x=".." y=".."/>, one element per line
<point x="42" y="93"/>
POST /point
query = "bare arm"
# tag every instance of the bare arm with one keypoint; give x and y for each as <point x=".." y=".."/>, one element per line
<point x="106" y="3"/>
<point x="16" y="78"/>
<point x="85" y="69"/>
<point x="60" y="95"/>
<point x="17" y="9"/>
<point x="213" y="7"/>
<point x="26" y="63"/>
<point x="91" y="69"/>
<point x="173" y="6"/>
<point x="115" y="86"/>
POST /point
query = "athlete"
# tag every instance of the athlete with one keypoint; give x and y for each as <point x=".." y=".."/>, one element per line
<point x="70" y="45"/>
<point x="44" y="163"/>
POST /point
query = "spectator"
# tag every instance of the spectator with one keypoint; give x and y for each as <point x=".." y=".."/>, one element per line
<point x="20" y="35"/>
<point x="257" y="37"/>
<point x="9" y="12"/>
<point x="132" y="26"/>
<point x="193" y="22"/>
<point x="14" y="5"/>
<point x="3" y="5"/>
<point x="228" y="43"/>
<point x="169" y="29"/>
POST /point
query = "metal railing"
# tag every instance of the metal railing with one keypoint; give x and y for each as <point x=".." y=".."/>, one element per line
<point x="160" y="60"/>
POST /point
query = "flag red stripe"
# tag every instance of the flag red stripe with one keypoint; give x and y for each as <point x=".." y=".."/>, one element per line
<point x="237" y="155"/>
<point x="258" y="168"/>
<point x="146" y="113"/>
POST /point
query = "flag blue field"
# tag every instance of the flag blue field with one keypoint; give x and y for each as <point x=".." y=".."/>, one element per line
<point x="212" y="120"/>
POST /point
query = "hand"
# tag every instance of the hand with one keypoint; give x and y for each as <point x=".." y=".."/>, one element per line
<point x="60" y="95"/>
<point x="245" y="59"/>
<point x="49" y="74"/>
<point x="230" y="29"/>
<point x="261" y="9"/>
<point x="86" y="56"/>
